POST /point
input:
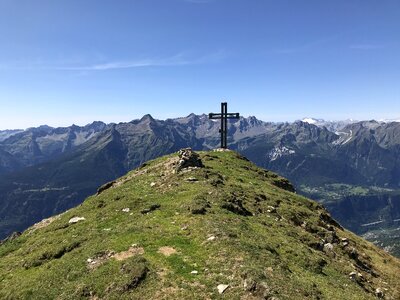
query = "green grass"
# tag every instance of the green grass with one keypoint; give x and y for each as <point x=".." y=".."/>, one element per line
<point x="273" y="249"/>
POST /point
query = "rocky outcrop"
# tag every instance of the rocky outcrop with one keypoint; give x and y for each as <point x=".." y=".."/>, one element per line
<point x="188" y="159"/>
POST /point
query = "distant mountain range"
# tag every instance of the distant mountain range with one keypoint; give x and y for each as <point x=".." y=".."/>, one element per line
<point x="352" y="167"/>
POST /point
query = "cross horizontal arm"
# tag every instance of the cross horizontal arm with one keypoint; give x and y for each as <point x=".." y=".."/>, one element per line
<point x="232" y="115"/>
<point x="228" y="116"/>
<point x="214" y="116"/>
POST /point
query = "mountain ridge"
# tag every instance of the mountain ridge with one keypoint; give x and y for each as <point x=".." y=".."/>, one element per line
<point x="362" y="157"/>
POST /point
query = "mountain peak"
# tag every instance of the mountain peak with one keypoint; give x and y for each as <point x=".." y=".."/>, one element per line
<point x="147" y="118"/>
<point x="168" y="231"/>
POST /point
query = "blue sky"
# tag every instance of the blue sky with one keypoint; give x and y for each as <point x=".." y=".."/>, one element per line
<point x="76" y="61"/>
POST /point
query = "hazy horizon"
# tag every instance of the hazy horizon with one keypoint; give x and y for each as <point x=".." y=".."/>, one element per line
<point x="84" y="123"/>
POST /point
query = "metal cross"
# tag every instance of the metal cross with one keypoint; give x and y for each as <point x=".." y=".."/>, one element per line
<point x="224" y="116"/>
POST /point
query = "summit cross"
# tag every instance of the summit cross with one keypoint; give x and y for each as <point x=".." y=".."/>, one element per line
<point x="224" y="116"/>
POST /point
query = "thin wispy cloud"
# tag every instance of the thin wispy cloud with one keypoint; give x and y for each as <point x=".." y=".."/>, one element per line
<point x="367" y="46"/>
<point x="180" y="59"/>
<point x="130" y="64"/>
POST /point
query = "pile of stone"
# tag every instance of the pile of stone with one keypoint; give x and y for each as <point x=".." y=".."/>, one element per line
<point x="188" y="159"/>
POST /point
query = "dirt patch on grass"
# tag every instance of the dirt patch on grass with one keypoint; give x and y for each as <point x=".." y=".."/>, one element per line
<point x="167" y="251"/>
<point x="132" y="251"/>
<point x="101" y="257"/>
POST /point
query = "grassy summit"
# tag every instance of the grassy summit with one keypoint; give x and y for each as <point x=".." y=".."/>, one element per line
<point x="228" y="230"/>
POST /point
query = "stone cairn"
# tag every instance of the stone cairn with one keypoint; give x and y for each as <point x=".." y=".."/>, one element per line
<point x="188" y="159"/>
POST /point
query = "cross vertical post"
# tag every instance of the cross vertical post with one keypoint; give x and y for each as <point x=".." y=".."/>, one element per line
<point x="224" y="116"/>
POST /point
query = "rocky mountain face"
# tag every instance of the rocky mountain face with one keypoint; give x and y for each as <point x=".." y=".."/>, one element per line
<point x="36" y="145"/>
<point x="206" y="225"/>
<point x="4" y="134"/>
<point x="48" y="170"/>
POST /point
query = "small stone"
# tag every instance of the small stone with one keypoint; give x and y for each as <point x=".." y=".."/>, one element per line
<point x="192" y="179"/>
<point x="328" y="249"/>
<point x="89" y="260"/>
<point x="352" y="275"/>
<point x="151" y="208"/>
<point x="76" y="220"/>
<point x="379" y="293"/>
<point x="222" y="287"/>
<point x="211" y="238"/>
<point x="134" y="245"/>
<point x="184" y="227"/>
<point x="271" y="209"/>
<point x="194" y="272"/>
<point x="126" y="209"/>
<point x="152" y="184"/>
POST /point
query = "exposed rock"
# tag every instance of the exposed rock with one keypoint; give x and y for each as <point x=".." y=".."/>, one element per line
<point x="151" y="208"/>
<point x="211" y="238"/>
<point x="11" y="237"/>
<point x="126" y="209"/>
<point x="331" y="237"/>
<point x="104" y="187"/>
<point x="235" y="205"/>
<point x="285" y="184"/>
<point x="222" y="287"/>
<point x="379" y="293"/>
<point x="99" y="259"/>
<point x="152" y="184"/>
<point x="222" y="150"/>
<point x="47" y="255"/>
<point x="352" y="275"/>
<point x="199" y="206"/>
<point x="134" y="272"/>
<point x="192" y="179"/>
<point x="76" y="220"/>
<point x="44" y="223"/>
<point x="188" y="158"/>
<point x="360" y="261"/>
<point x="317" y="245"/>
<point x="194" y="272"/>
<point x="328" y="249"/>
<point x="326" y="220"/>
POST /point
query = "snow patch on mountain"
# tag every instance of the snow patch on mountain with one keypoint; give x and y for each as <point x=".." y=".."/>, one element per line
<point x="332" y="126"/>
<point x="345" y="137"/>
<point x="389" y="120"/>
<point x="311" y="121"/>
<point x="278" y="152"/>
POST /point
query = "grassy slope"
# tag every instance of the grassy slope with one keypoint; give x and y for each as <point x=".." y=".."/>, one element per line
<point x="273" y="253"/>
